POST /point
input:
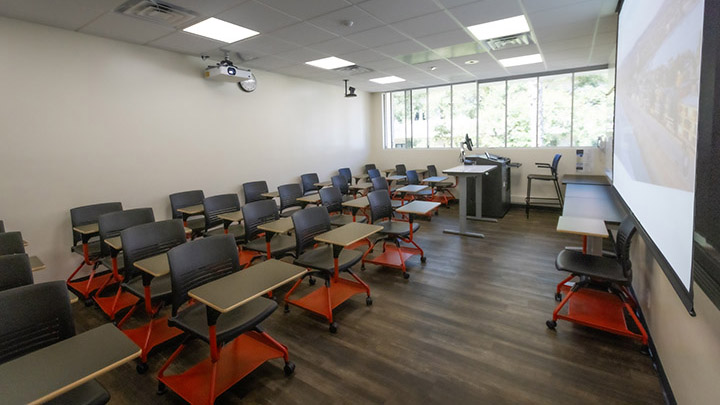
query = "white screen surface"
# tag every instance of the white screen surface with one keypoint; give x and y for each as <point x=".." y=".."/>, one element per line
<point x="657" y="94"/>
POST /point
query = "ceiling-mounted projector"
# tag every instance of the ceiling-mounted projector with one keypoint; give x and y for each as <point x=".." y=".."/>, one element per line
<point x="225" y="71"/>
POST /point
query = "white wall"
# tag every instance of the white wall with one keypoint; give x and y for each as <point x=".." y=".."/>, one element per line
<point x="445" y="158"/>
<point x="86" y="120"/>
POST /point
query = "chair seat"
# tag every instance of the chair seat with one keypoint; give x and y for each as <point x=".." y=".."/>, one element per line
<point x="196" y="224"/>
<point x="589" y="265"/>
<point x="279" y="245"/>
<point x="322" y="259"/>
<point x="160" y="287"/>
<point x="230" y="325"/>
<point x="236" y="230"/>
<point x="548" y="177"/>
<point x="344" y="219"/>
<point x="90" y="393"/>
<point x="93" y="249"/>
<point x="397" y="228"/>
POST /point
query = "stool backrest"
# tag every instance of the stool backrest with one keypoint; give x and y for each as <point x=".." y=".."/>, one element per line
<point x="219" y="204"/>
<point x="252" y="191"/>
<point x="309" y="223"/>
<point x="112" y="223"/>
<point x="147" y="240"/>
<point x="15" y="271"/>
<point x="89" y="214"/>
<point x="257" y="213"/>
<point x="185" y="199"/>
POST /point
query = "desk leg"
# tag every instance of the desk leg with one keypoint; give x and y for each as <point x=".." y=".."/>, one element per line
<point x="462" y="217"/>
<point x="478" y="201"/>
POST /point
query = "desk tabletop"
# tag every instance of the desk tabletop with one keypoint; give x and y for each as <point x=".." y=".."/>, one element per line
<point x="36" y="264"/>
<point x="357" y="177"/>
<point x="53" y="370"/>
<point x="312" y="198"/>
<point x="582" y="226"/>
<point x="360" y="186"/>
<point x="413" y="188"/>
<point x="388" y="171"/>
<point x="395" y="177"/>
<point x="323" y="184"/>
<point x="585" y="179"/>
<point x="87" y="229"/>
<point x="270" y="194"/>
<point x="418" y="207"/>
<point x="155" y="266"/>
<point x="469" y="169"/>
<point x="192" y="209"/>
<point x="348" y="234"/>
<point x="25" y="243"/>
<point x="114" y="242"/>
<point x="434" y="179"/>
<point x="597" y="202"/>
<point x="361" y="202"/>
<point x="420" y="171"/>
<point x="234" y="216"/>
<point x="230" y="292"/>
<point x="281" y="225"/>
<point x="586" y="191"/>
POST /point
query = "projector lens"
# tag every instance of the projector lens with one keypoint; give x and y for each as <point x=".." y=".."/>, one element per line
<point x="231" y="71"/>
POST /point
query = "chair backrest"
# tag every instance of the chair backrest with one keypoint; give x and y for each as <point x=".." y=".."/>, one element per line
<point x="2" y="226"/>
<point x="432" y="171"/>
<point x="252" y="191"/>
<point x="625" y="233"/>
<point x="200" y="262"/>
<point x="11" y="243"/>
<point x="257" y="213"/>
<point x="289" y="193"/>
<point x="219" y="204"/>
<point x="309" y="223"/>
<point x="400" y="170"/>
<point x="380" y="183"/>
<point x="345" y="172"/>
<point x="331" y="199"/>
<point x="380" y="205"/>
<point x="308" y="181"/>
<point x="554" y="165"/>
<point x="147" y="240"/>
<point x="15" y="271"/>
<point x="369" y="166"/>
<point x="112" y="223"/>
<point x="34" y="316"/>
<point x="372" y="173"/>
<point x="412" y="177"/>
<point x="185" y="199"/>
<point x="89" y="214"/>
<point x="339" y="183"/>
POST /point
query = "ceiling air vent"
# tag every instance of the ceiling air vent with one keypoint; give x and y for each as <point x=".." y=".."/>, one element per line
<point x="353" y="70"/>
<point x="510" y="41"/>
<point x="158" y="12"/>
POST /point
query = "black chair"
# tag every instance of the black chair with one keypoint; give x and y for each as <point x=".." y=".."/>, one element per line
<point x="142" y="242"/>
<point x="373" y="173"/>
<point x="612" y="273"/>
<point x="309" y="223"/>
<point x="369" y="166"/>
<point x="332" y="200"/>
<point x="11" y="243"/>
<point x="110" y="226"/>
<point x="222" y="204"/>
<point x="36" y="316"/>
<point x="381" y="183"/>
<point x="89" y="249"/>
<point x="345" y="172"/>
<point x="339" y="183"/>
<point x="15" y="271"/>
<point x="192" y="265"/>
<point x="187" y="199"/>
<point x="443" y="187"/>
<point x="308" y="181"/>
<point x="257" y="213"/>
<point x="252" y="191"/>
<point x="289" y="193"/>
<point x="553" y="177"/>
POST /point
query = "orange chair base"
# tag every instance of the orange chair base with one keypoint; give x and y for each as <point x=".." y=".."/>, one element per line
<point x="340" y="291"/>
<point x="237" y="359"/>
<point x="598" y="309"/>
<point x="152" y="334"/>
<point x="111" y="308"/>
<point x="85" y="287"/>
<point x="391" y="258"/>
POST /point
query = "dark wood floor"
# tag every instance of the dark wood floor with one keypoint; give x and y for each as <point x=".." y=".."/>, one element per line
<point x="467" y="327"/>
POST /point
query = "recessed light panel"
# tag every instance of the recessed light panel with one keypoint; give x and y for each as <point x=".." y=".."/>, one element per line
<point x="220" y="30"/>
<point x="387" y="80"/>
<point x="521" y="60"/>
<point x="330" y="63"/>
<point x="500" y="28"/>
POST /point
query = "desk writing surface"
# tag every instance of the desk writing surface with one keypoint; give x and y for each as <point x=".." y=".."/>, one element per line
<point x="586" y="191"/>
<point x="53" y="370"/>
<point x="358" y="177"/>
<point x="395" y="177"/>
<point x="323" y="184"/>
<point x="114" y="242"/>
<point x="361" y="202"/>
<point x="434" y="179"/>
<point x="192" y="209"/>
<point x="312" y="198"/>
<point x="348" y="234"/>
<point x="418" y="207"/>
<point x="25" y="243"/>
<point x="582" y="226"/>
<point x="420" y="171"/>
<point x="234" y="290"/>
<point x="36" y="264"/>
<point x="87" y="229"/>
<point x="361" y="186"/>
<point x="155" y="266"/>
<point x="605" y="209"/>
<point x="469" y="169"/>
<point x="413" y="188"/>
<point x="281" y="225"/>
<point x="585" y="179"/>
<point x="270" y="194"/>
<point x="388" y="171"/>
<point x="235" y="216"/>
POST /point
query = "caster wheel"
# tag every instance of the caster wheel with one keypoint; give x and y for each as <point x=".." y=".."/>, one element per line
<point x="423" y="259"/>
<point x="368" y="301"/>
<point x="289" y="368"/>
<point x="141" y="368"/>
<point x="362" y="267"/>
<point x="406" y="276"/>
<point x="311" y="281"/>
<point x="333" y="327"/>
<point x="645" y="350"/>
<point x="89" y="302"/>
<point x="287" y="308"/>
<point x="558" y="297"/>
<point x="161" y="389"/>
<point x="551" y="324"/>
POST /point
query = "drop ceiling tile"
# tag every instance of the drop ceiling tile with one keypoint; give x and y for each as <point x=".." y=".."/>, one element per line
<point x="303" y="34"/>
<point x="385" y="64"/>
<point x="533" y="6"/>
<point x="124" y="28"/>
<point x="377" y="37"/>
<point x="606" y="39"/>
<point x="427" y="24"/>
<point x="258" y="17"/>
<point x="337" y="46"/>
<point x="207" y="8"/>
<point x="440" y="66"/>
<point x="270" y="63"/>
<point x="564" y="31"/>
<point x="586" y="12"/>
<point x="445" y="39"/>
<point x="515" y="52"/>
<point x="608" y="7"/>
<point x="262" y="44"/>
<point x="483" y="59"/>
<point x="455" y="3"/>
<point x="566" y="44"/>
<point x="302" y="70"/>
<point x="333" y="21"/>
<point x="363" y="56"/>
<point x="397" y="10"/>
<point x="305" y="9"/>
<point x="186" y="43"/>
<point x="400" y="48"/>
<point x="302" y="55"/>
<point x="527" y="69"/>
<point x="607" y="23"/>
<point x="485" y="11"/>
<point x="238" y="57"/>
<point x="68" y="14"/>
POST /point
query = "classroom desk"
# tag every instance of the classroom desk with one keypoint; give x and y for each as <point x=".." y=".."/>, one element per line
<point x="190" y="211"/>
<point x="592" y="201"/>
<point x="322" y="184"/>
<point x="53" y="370"/>
<point x="270" y="194"/>
<point x="412" y="189"/>
<point x="585" y="179"/>
<point x="361" y="187"/>
<point x="395" y="177"/>
<point x="36" y="264"/>
<point x="356" y="205"/>
<point x="311" y="198"/>
<point x="388" y="172"/>
<point x="282" y="225"/>
<point x="463" y="173"/>
<point x="229" y="217"/>
<point x="357" y="178"/>
<point x="87" y="229"/>
<point x="592" y="230"/>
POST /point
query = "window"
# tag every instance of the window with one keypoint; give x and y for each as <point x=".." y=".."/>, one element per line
<point x="553" y="110"/>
